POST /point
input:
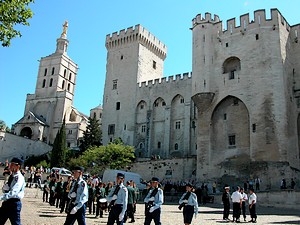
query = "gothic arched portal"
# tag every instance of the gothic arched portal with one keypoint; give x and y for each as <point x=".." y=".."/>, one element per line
<point x="230" y="135"/>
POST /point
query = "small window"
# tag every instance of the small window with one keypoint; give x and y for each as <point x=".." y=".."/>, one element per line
<point x="256" y="36"/>
<point x="111" y="129"/>
<point x="45" y="73"/>
<point x="143" y="128"/>
<point x="69" y="144"/>
<point x="70" y="76"/>
<point x="142" y="106"/>
<point x="100" y="115"/>
<point x="163" y="103"/>
<point x="70" y="131"/>
<point x="159" y="144"/>
<point x="51" y="81"/>
<point x="182" y="100"/>
<point x="235" y="101"/>
<point x="154" y="65"/>
<point x="125" y="126"/>
<point x="118" y="106"/>
<point x="231" y="140"/>
<point x="94" y="115"/>
<point x="253" y="127"/>
<point x="226" y="44"/>
<point x="53" y="69"/>
<point x="44" y="83"/>
<point x="69" y="86"/>
<point x="177" y="125"/>
<point x="225" y="116"/>
<point x="121" y="57"/>
<point x="63" y="84"/>
<point x="231" y="75"/>
<point x="156" y="104"/>
<point x="65" y="72"/>
<point x="115" y="84"/>
<point x="176" y="146"/>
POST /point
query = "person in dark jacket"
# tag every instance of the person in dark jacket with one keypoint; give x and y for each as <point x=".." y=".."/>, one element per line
<point x="226" y="203"/>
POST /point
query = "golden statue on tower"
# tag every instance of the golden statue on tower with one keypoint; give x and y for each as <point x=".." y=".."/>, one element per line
<point x="65" y="29"/>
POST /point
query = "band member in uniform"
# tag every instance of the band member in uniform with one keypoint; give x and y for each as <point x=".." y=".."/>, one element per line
<point x="13" y="193"/>
<point x="189" y="203"/>
<point x="236" y="204"/>
<point x="154" y="200"/>
<point x="245" y="198"/>
<point x="252" y="205"/>
<point x="226" y="203"/>
<point x="78" y="197"/>
<point x="117" y="199"/>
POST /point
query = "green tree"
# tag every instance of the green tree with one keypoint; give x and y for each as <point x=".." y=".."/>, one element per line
<point x="2" y="125"/>
<point x="112" y="156"/>
<point x="13" y="12"/>
<point x="92" y="135"/>
<point x="59" y="150"/>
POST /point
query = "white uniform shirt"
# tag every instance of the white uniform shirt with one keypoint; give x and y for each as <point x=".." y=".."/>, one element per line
<point x="236" y="197"/>
<point x="16" y="188"/>
<point x="245" y="197"/>
<point x="252" y="197"/>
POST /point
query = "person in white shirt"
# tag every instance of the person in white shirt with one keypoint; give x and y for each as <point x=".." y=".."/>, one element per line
<point x="252" y="205"/>
<point x="245" y="198"/>
<point x="236" y="204"/>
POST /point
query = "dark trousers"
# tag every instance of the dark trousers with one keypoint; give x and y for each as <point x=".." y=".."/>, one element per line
<point x="64" y="201"/>
<point x="236" y="210"/>
<point x="11" y="209"/>
<point x="244" y="209"/>
<point x="130" y="211"/>
<point x="45" y="196"/>
<point x="188" y="212"/>
<point x="52" y="198"/>
<point x="155" y="215"/>
<point x="58" y="199"/>
<point x="114" y="215"/>
<point x="99" y="210"/>
<point x="79" y="216"/>
<point x="252" y="211"/>
<point x="226" y="210"/>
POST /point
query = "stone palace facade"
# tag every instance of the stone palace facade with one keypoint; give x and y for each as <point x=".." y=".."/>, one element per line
<point x="236" y="114"/>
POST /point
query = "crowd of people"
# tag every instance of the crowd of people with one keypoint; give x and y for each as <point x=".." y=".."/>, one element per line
<point x="77" y="195"/>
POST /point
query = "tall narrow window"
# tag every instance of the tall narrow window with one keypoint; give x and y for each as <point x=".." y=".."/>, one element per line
<point x="182" y="100"/>
<point x="143" y="128"/>
<point x="154" y="65"/>
<point x="63" y="84"/>
<point x="115" y="84"/>
<point x="125" y="126"/>
<point x="51" y="81"/>
<point x="231" y="140"/>
<point x="256" y="36"/>
<point x="45" y="73"/>
<point x="159" y="144"/>
<point x="44" y="83"/>
<point x="225" y="116"/>
<point x="69" y="87"/>
<point x="231" y="74"/>
<point x="65" y="72"/>
<point x="176" y="146"/>
<point x="118" y="106"/>
<point x="253" y="127"/>
<point x="111" y="129"/>
<point x="53" y="69"/>
<point x="177" y="125"/>
<point x="70" y="76"/>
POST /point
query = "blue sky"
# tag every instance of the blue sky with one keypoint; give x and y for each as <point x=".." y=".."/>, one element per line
<point x="89" y="23"/>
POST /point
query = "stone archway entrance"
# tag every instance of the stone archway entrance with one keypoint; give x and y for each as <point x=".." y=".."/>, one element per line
<point x="26" y="132"/>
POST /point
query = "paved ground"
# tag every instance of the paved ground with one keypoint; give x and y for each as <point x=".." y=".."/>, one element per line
<point x="36" y="212"/>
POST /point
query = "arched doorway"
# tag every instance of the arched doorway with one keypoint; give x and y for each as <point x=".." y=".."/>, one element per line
<point x="26" y="132"/>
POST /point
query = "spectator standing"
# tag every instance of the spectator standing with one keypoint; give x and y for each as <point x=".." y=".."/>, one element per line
<point x="226" y="203"/>
<point x="252" y="205"/>
<point x="236" y="204"/>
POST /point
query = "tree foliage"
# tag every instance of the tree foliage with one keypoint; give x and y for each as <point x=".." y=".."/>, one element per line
<point x="13" y="12"/>
<point x="59" y="150"/>
<point x="2" y="125"/>
<point x="112" y="156"/>
<point x="92" y="135"/>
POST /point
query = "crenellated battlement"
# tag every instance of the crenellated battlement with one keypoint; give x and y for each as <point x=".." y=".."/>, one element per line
<point x="136" y="34"/>
<point x="206" y="19"/>
<point x="166" y="80"/>
<point x="234" y="26"/>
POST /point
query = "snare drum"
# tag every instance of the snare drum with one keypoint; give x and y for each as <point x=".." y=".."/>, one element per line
<point x="103" y="203"/>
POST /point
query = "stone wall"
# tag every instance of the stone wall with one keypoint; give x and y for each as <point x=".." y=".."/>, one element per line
<point x="16" y="146"/>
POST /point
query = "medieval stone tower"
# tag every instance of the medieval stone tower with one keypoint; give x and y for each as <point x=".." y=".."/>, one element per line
<point x="53" y="99"/>
<point x="133" y="56"/>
